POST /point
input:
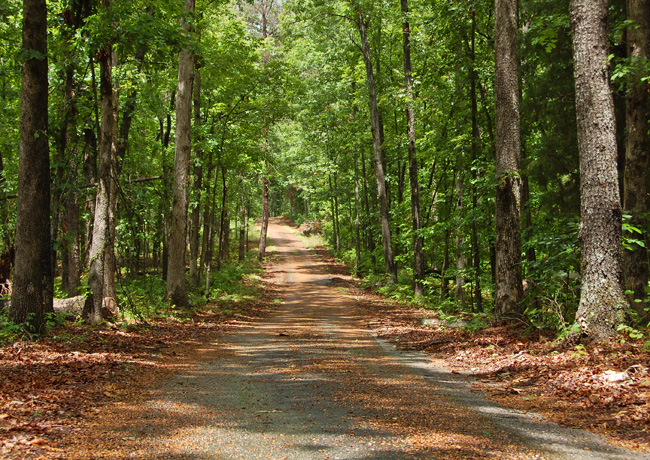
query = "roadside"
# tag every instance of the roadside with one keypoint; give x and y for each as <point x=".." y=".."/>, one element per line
<point x="603" y="388"/>
<point x="53" y="388"/>
<point x="307" y="381"/>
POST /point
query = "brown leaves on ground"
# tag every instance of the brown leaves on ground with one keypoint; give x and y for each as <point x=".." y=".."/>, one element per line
<point x="48" y="387"/>
<point x="603" y="387"/>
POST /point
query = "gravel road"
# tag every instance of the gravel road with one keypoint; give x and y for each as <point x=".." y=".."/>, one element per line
<point x="311" y="382"/>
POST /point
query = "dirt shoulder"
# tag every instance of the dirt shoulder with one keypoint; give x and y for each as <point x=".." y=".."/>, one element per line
<point x="51" y="390"/>
<point x="603" y="388"/>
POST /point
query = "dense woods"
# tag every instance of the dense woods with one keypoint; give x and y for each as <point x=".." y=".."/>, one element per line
<point x="475" y="156"/>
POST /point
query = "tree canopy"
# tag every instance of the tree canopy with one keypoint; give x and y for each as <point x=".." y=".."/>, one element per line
<point x="383" y="123"/>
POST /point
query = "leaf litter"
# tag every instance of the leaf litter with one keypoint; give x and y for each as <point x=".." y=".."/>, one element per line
<point x="50" y="388"/>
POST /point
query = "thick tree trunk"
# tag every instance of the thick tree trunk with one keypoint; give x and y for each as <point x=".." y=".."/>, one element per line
<point x="93" y="309"/>
<point x="508" y="290"/>
<point x="602" y="301"/>
<point x="390" y="267"/>
<point x="418" y="239"/>
<point x="33" y="284"/>
<point x="635" y="262"/>
<point x="176" y="282"/>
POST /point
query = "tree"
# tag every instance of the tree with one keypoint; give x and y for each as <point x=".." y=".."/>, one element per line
<point x="33" y="284"/>
<point x="418" y="240"/>
<point x="635" y="259"/>
<point x="508" y="290"/>
<point x="602" y="301"/>
<point x="362" y="21"/>
<point x="100" y="235"/>
<point x="176" y="282"/>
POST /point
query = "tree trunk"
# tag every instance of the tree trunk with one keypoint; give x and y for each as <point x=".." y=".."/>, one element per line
<point x="4" y="217"/>
<point x="242" y="231"/>
<point x="33" y="284"/>
<point x="418" y="239"/>
<point x="602" y="301"/>
<point x="508" y="290"/>
<point x="91" y="175"/>
<point x="390" y="267"/>
<point x="461" y="260"/>
<point x="176" y="283"/>
<point x="70" y="269"/>
<point x="93" y="309"/>
<point x="224" y="232"/>
<point x="195" y="216"/>
<point x="357" y="220"/>
<point x="110" y="264"/>
<point x="635" y="262"/>
<point x="370" y="238"/>
<point x="261" y="252"/>
<point x="476" y="139"/>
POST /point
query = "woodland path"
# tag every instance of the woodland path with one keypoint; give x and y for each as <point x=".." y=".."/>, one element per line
<point x="311" y="382"/>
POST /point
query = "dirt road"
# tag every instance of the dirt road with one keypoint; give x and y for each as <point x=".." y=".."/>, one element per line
<point x="311" y="382"/>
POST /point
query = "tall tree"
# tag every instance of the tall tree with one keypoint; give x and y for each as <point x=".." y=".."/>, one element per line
<point x="362" y="21"/>
<point x="33" y="284"/>
<point x="100" y="234"/>
<point x="635" y="262"/>
<point x="264" y="10"/>
<point x="602" y="301"/>
<point x="176" y="282"/>
<point x="508" y="290"/>
<point x="418" y="239"/>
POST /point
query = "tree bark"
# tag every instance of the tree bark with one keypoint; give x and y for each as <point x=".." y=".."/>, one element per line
<point x="509" y="289"/>
<point x="176" y="283"/>
<point x="461" y="259"/>
<point x="635" y="262"/>
<point x="357" y="220"/>
<point x="261" y="251"/>
<point x="93" y="308"/>
<point x="377" y="141"/>
<point x="33" y="284"/>
<point x="195" y="216"/>
<point x="476" y="139"/>
<point x="224" y="233"/>
<point x="418" y="239"/>
<point x="602" y="301"/>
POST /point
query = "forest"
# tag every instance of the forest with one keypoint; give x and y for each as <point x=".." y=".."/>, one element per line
<point x="476" y="157"/>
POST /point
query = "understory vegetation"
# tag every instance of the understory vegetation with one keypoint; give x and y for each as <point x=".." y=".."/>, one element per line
<point x="371" y="122"/>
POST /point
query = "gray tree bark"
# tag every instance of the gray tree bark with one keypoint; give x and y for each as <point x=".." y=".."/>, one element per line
<point x="377" y="141"/>
<point x="635" y="262"/>
<point x="195" y="217"/>
<point x="176" y="282"/>
<point x="33" y="284"/>
<point x="92" y="312"/>
<point x="508" y="289"/>
<point x="602" y="301"/>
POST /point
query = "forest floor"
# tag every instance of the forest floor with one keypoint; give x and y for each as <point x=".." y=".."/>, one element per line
<point x="88" y="393"/>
